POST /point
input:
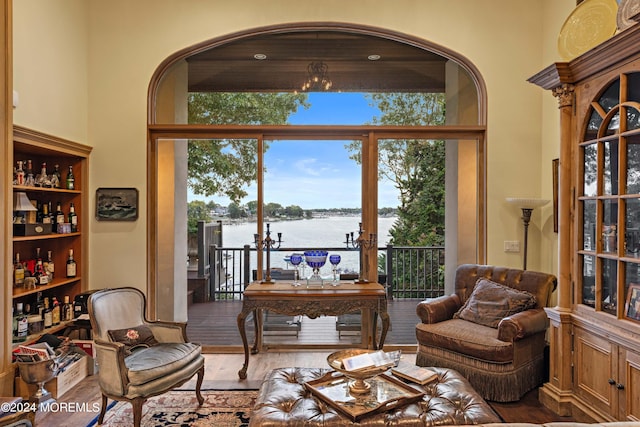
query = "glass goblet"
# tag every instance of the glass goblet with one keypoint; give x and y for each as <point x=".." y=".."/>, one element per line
<point x="295" y="260"/>
<point x="335" y="260"/>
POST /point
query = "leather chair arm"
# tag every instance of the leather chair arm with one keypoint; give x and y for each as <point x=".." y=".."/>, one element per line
<point x="438" y="309"/>
<point x="523" y="324"/>
<point x="164" y="331"/>
<point x="112" y="373"/>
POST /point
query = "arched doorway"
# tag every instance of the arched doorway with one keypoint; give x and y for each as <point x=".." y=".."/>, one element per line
<point x="233" y="62"/>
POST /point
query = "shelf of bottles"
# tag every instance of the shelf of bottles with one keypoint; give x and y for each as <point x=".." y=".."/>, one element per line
<point x="47" y="227"/>
<point x="610" y="199"/>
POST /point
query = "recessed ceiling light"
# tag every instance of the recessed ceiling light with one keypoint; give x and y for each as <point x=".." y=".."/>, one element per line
<point x="260" y="56"/>
<point x="373" y="57"/>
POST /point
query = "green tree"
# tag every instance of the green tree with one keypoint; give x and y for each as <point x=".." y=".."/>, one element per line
<point x="226" y="167"/>
<point x="414" y="166"/>
<point x="197" y="210"/>
<point x="294" y="211"/>
<point x="235" y="211"/>
<point x="273" y="209"/>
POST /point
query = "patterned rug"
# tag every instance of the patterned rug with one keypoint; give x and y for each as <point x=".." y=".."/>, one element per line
<point x="224" y="408"/>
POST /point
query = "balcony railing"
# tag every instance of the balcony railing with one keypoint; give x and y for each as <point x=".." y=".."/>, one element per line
<point x="406" y="271"/>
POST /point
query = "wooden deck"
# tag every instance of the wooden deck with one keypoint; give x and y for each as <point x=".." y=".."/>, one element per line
<point x="214" y="324"/>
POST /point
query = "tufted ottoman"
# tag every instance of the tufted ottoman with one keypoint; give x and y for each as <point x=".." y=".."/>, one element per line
<point x="284" y="401"/>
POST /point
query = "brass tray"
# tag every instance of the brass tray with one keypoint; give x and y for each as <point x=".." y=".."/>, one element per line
<point x="386" y="393"/>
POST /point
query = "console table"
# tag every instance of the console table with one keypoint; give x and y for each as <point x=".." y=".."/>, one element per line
<point x="281" y="297"/>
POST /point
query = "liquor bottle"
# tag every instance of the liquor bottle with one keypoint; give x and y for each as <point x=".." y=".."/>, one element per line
<point x="40" y="274"/>
<point x="73" y="218"/>
<point x="29" y="180"/>
<point x="59" y="216"/>
<point x="18" y="272"/>
<point x="55" y="311"/>
<point x="56" y="177"/>
<point x="42" y="179"/>
<point x="46" y="216"/>
<point x="39" y="306"/>
<point x="54" y="227"/>
<point x="20" y="175"/>
<point x="71" y="179"/>
<point x="38" y="212"/>
<point x="21" y="326"/>
<point x="67" y="309"/>
<point x="47" y="315"/>
<point x="71" y="265"/>
<point x="49" y="266"/>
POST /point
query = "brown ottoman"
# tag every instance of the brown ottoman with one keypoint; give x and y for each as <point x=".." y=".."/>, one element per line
<point x="284" y="401"/>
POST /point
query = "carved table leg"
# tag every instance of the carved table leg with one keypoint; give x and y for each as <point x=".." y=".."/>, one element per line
<point x="243" y="333"/>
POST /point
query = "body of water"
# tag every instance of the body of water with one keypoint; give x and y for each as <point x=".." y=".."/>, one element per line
<point x="303" y="234"/>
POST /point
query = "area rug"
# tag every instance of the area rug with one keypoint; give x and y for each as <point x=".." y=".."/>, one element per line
<point x="225" y="408"/>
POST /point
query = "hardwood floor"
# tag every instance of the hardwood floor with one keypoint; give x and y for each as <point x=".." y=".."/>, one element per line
<point x="221" y="372"/>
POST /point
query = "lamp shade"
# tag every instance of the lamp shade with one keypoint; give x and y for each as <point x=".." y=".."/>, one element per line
<point x="527" y="203"/>
<point x="22" y="203"/>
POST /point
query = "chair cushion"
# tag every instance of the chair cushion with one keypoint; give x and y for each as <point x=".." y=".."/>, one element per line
<point x="490" y="302"/>
<point x="150" y="363"/>
<point x="134" y="338"/>
<point x="467" y="338"/>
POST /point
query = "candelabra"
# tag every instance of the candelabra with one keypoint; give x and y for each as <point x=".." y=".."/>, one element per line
<point x="268" y="243"/>
<point x="361" y="242"/>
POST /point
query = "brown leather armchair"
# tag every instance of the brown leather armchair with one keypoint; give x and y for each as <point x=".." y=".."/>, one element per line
<point x="502" y="361"/>
<point x="138" y="358"/>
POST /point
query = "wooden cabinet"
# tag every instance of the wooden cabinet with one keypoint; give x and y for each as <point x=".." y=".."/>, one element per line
<point x="594" y="372"/>
<point x="40" y="148"/>
<point x="607" y="375"/>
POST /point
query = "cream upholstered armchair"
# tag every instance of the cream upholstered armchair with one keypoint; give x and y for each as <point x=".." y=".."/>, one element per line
<point x="492" y="329"/>
<point x="137" y="358"/>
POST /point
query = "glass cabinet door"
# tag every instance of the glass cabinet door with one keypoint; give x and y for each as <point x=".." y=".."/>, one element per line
<point x="609" y="198"/>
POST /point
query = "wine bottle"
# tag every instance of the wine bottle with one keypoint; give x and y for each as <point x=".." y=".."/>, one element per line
<point x="40" y="274"/>
<point x="47" y="315"/>
<point x="71" y="265"/>
<point x="71" y="179"/>
<point x="67" y="309"/>
<point x="18" y="272"/>
<point x="73" y="218"/>
<point x="21" y="326"/>
<point x="55" y="311"/>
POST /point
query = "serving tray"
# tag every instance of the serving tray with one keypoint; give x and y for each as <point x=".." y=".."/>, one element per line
<point x="386" y="393"/>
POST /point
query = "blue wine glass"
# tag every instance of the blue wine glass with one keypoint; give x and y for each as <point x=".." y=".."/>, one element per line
<point x="295" y="260"/>
<point x="335" y="260"/>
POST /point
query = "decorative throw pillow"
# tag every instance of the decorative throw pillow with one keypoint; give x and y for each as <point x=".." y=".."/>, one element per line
<point x="134" y="338"/>
<point x="490" y="302"/>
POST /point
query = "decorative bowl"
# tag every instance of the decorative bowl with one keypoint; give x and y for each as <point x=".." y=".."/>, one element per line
<point x="358" y="385"/>
<point x="315" y="259"/>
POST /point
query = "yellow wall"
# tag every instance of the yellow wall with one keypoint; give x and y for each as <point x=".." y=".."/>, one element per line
<point x="83" y="69"/>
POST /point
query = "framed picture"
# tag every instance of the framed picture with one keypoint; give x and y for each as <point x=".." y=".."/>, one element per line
<point x="632" y="304"/>
<point x="117" y="204"/>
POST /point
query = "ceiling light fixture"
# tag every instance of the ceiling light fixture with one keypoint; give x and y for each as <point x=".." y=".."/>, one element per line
<point x="259" y="56"/>
<point x="318" y="77"/>
<point x="373" y="57"/>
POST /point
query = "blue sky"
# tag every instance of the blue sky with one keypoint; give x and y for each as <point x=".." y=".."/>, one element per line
<point x="318" y="174"/>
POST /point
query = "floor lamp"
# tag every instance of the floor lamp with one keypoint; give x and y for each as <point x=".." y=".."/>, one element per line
<point x="527" y="206"/>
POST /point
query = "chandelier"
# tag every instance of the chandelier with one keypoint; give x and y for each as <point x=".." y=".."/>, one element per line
<point x="318" y="77"/>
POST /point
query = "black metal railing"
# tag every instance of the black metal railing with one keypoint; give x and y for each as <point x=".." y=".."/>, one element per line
<point x="406" y="271"/>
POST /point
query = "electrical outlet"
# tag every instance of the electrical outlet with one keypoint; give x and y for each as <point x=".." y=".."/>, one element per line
<point x="511" y="246"/>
